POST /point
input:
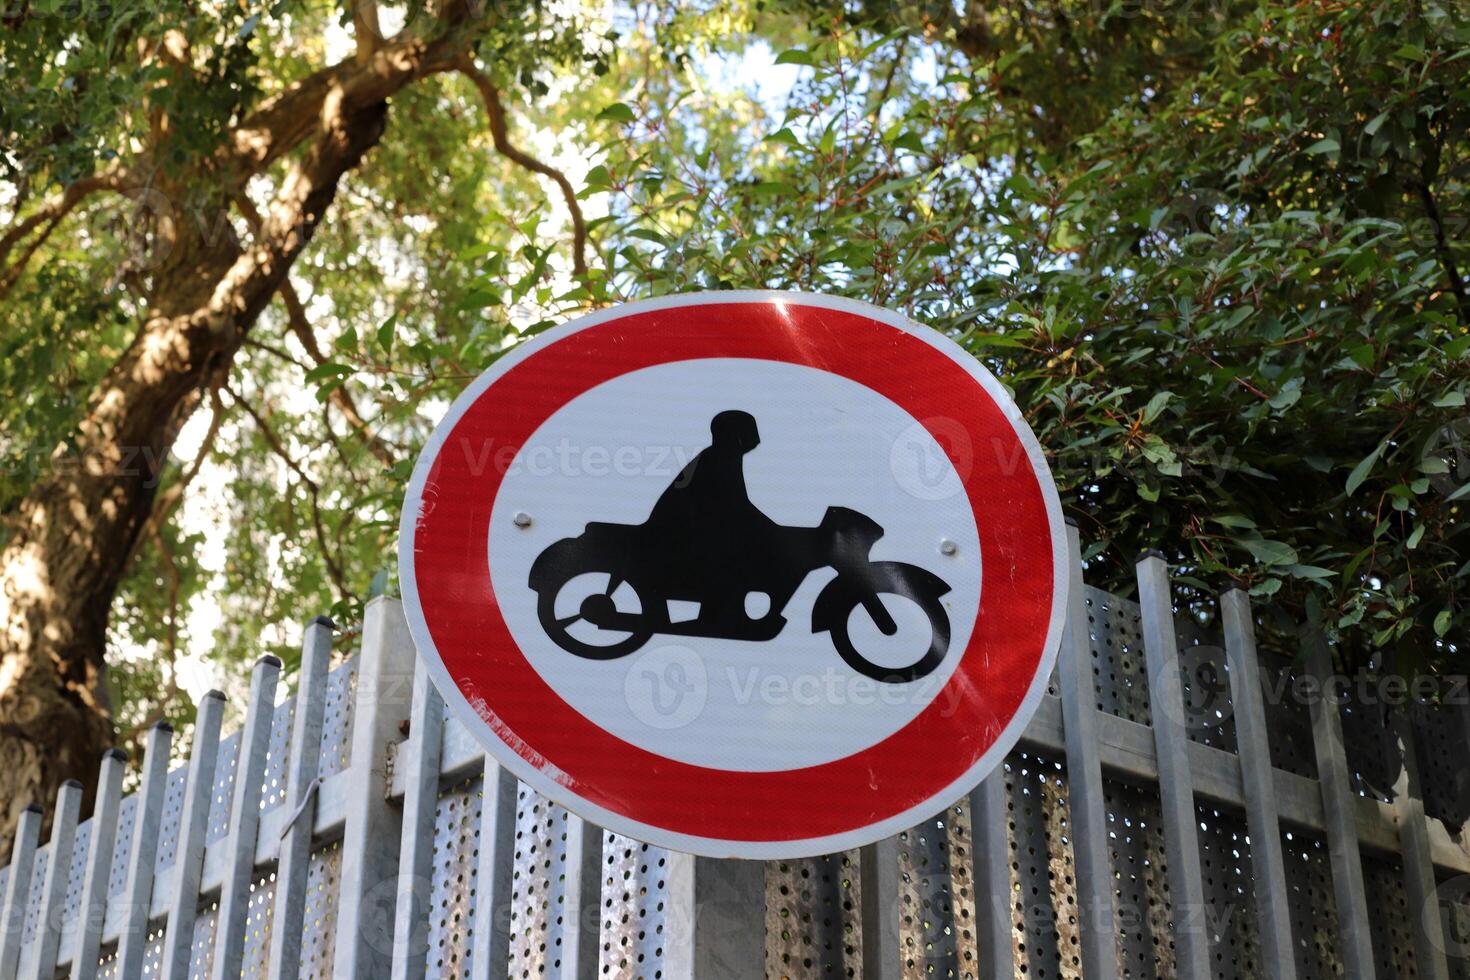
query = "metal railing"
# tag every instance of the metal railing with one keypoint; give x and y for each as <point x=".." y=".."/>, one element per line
<point x="1181" y="806"/>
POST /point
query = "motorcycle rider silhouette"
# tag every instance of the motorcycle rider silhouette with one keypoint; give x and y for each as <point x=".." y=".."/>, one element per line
<point x="705" y="542"/>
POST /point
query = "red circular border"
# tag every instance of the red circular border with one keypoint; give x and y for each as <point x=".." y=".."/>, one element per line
<point x="909" y="767"/>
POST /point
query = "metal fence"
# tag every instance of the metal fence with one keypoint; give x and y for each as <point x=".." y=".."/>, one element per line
<point x="1180" y="806"/>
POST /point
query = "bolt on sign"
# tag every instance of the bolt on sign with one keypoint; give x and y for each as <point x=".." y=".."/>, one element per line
<point x="745" y="574"/>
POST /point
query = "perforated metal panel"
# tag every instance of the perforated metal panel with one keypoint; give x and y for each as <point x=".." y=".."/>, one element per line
<point x="1118" y="665"/>
<point x="1229" y="915"/>
<point x="1438" y="733"/>
<point x="1209" y="714"/>
<point x="319" y="925"/>
<point x="1393" y="939"/>
<point x="258" y="926"/>
<point x="202" y="950"/>
<point x="1288" y="717"/>
<point x="812" y="920"/>
<point x="453" y="884"/>
<point x="33" y="902"/>
<point x="1372" y="753"/>
<point x="337" y="719"/>
<point x="224" y="788"/>
<point x="1043" y="876"/>
<point x="634" y="910"/>
<point x="1313" y="905"/>
<point x="1145" y="947"/>
<point x="122" y="850"/>
<point x="812" y="912"/>
<point x="538" y="894"/>
<point x="168" y="825"/>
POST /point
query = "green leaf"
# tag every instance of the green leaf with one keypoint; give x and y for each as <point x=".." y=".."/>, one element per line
<point x="794" y="56"/>
<point x="1269" y="552"/>
<point x="772" y="187"/>
<point x="1442" y="622"/>
<point x="618" y="112"/>
<point x="1324" y="145"/>
<point x="1309" y="571"/>
<point x="386" y="333"/>
<point x="1156" y="405"/>
<point x="1415" y="538"/>
<point x="1365" y="466"/>
<point x="330" y="369"/>
<point x="598" y="176"/>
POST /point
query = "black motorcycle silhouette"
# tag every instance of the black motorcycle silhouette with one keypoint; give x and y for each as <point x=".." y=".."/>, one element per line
<point x="705" y="543"/>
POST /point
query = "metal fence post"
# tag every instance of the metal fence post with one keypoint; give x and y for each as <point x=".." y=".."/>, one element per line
<point x="18" y="889"/>
<point x="1176" y="781"/>
<point x="991" y="874"/>
<point x="58" y="870"/>
<point x="882" y="940"/>
<point x="178" y="937"/>
<point x="490" y="953"/>
<point x="1258" y="778"/>
<point x="234" y="892"/>
<point x="419" y="758"/>
<point x="717" y="919"/>
<point x="1408" y="804"/>
<point x="92" y="910"/>
<point x="302" y="765"/>
<point x="582" y="911"/>
<point x="369" y="877"/>
<point x="1339" y="813"/>
<point x="1086" y="804"/>
<point x="138" y="892"/>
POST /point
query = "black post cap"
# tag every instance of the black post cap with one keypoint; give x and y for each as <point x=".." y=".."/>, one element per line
<point x="116" y="753"/>
<point x="74" y="783"/>
<point x="218" y="695"/>
<point x="33" y="808"/>
<point x="323" y="621"/>
<point x="163" y="726"/>
<point x="270" y="660"/>
<point x="1070" y="521"/>
<point x="1151" y="553"/>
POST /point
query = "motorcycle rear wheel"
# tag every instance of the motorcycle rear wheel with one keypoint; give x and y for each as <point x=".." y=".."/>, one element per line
<point x="558" y="628"/>
<point x="938" y="642"/>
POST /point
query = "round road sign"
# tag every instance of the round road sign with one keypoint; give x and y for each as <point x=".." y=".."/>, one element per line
<point x="747" y="574"/>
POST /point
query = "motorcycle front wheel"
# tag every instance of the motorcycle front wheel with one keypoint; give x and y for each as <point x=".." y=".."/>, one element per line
<point x="854" y="627"/>
<point x="568" y="612"/>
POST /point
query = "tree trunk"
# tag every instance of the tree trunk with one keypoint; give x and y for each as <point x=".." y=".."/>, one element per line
<point x="73" y="531"/>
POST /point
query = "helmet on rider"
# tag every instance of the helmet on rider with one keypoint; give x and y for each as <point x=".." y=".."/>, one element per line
<point x="735" y="430"/>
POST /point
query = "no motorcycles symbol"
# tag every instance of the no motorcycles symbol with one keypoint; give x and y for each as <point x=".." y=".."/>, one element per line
<point x="744" y="574"/>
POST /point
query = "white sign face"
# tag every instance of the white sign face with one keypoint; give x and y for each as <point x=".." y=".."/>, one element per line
<point x="743" y="574"/>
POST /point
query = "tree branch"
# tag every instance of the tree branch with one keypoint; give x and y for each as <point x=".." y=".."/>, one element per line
<point x="334" y="569"/>
<point x="495" y="110"/>
<point x="300" y="325"/>
<point x="1442" y="248"/>
<point x="169" y="500"/>
<point x="365" y="27"/>
<point x="283" y="121"/>
<point x="47" y="217"/>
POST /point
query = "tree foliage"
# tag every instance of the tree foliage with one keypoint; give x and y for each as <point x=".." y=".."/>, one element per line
<point x="1214" y="248"/>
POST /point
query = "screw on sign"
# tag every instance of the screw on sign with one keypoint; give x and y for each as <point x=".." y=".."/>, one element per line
<point x="744" y="574"/>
